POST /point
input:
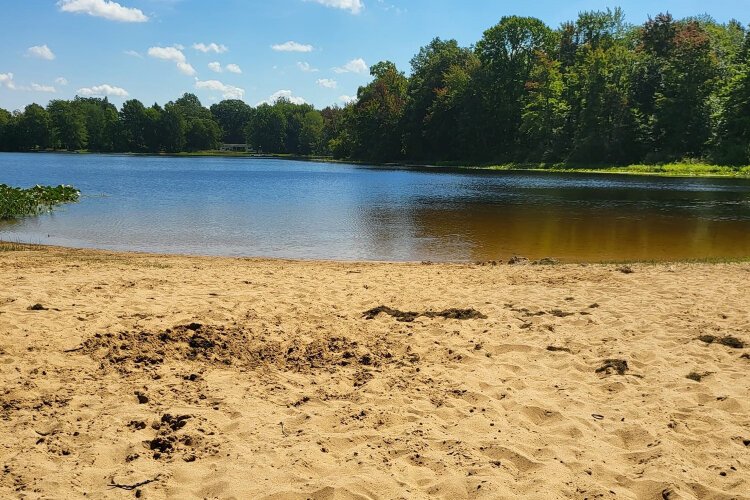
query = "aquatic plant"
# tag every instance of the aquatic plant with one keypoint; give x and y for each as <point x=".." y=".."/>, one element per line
<point x="18" y="202"/>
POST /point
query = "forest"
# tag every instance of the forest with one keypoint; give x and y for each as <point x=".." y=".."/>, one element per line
<point x="596" y="90"/>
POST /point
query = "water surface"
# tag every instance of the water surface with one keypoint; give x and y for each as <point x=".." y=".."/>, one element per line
<point x="278" y="208"/>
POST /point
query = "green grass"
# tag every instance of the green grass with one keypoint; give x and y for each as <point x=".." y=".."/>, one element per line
<point x="17" y="202"/>
<point x="679" y="169"/>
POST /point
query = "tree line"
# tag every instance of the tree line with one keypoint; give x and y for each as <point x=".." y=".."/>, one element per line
<point x="594" y="90"/>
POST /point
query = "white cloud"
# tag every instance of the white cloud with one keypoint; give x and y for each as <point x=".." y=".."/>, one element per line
<point x="327" y="83"/>
<point x="42" y="88"/>
<point x="354" y="66"/>
<point x="283" y="94"/>
<point x="103" y="8"/>
<point x="103" y="90"/>
<point x="228" y="91"/>
<point x="133" y="53"/>
<point x="211" y="47"/>
<point x="61" y="81"/>
<point x="353" y="6"/>
<point x="6" y="80"/>
<point x="291" y="46"/>
<point x="186" y="69"/>
<point x="305" y="66"/>
<point x="175" y="55"/>
<point x="347" y="99"/>
<point x="232" y="68"/>
<point x="41" y="52"/>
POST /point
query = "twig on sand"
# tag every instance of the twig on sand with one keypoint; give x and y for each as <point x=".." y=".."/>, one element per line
<point x="283" y="431"/>
<point x="130" y="487"/>
<point x="75" y="349"/>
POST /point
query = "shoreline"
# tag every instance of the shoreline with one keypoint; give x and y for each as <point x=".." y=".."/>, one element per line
<point x="15" y="246"/>
<point x="669" y="170"/>
<point x="196" y="377"/>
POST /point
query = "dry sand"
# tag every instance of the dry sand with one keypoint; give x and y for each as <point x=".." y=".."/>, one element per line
<point x="283" y="389"/>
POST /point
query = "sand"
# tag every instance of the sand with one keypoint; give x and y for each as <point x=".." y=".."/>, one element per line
<point x="187" y="377"/>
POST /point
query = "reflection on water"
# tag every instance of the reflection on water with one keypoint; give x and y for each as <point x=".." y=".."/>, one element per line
<point x="255" y="207"/>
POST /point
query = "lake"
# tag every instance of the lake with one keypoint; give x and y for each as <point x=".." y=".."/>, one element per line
<point x="291" y="209"/>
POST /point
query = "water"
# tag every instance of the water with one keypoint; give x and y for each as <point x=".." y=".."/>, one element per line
<point x="278" y="208"/>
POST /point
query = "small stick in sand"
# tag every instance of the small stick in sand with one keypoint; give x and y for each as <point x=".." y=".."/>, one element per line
<point x="130" y="487"/>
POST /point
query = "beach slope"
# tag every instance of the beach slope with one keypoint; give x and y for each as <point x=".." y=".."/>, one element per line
<point x="134" y="375"/>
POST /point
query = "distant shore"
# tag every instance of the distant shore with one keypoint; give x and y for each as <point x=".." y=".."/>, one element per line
<point x="675" y="169"/>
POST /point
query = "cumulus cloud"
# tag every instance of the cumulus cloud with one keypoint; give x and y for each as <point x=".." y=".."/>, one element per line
<point x="305" y="66"/>
<point x="327" y="83"/>
<point x="291" y="46"/>
<point x="228" y="91"/>
<point x="106" y="9"/>
<point x="6" y="80"/>
<point x="353" y="6"/>
<point x="103" y="90"/>
<point x="354" y="66"/>
<point x="211" y="47"/>
<point x="40" y="52"/>
<point x="175" y="55"/>
<point x="347" y="99"/>
<point x="217" y="68"/>
<point x="283" y="94"/>
<point x="42" y="88"/>
<point x="61" y="80"/>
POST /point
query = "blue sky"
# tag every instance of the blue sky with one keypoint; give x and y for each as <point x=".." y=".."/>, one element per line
<point x="312" y="50"/>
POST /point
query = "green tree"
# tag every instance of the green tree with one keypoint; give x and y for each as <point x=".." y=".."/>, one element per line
<point x="508" y="53"/>
<point x="152" y="134"/>
<point x="311" y="133"/>
<point x="425" y="138"/>
<point x="68" y="125"/>
<point x="172" y="130"/>
<point x="202" y="135"/>
<point x="101" y="121"/>
<point x="266" y="130"/>
<point x="6" y="131"/>
<point x="682" y="114"/>
<point x="34" y="128"/>
<point x="133" y="121"/>
<point x="376" y="126"/>
<point x="545" y="111"/>
<point x="733" y="137"/>
<point x="232" y="115"/>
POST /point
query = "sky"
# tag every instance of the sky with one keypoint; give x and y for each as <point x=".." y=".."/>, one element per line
<point x="314" y="51"/>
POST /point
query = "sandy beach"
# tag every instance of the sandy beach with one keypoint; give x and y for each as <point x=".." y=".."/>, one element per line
<point x="134" y="375"/>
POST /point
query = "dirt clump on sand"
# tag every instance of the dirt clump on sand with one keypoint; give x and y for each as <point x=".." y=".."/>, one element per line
<point x="238" y="347"/>
<point x="697" y="377"/>
<point x="553" y="348"/>
<point x="612" y="366"/>
<point x="727" y="340"/>
<point x="409" y="316"/>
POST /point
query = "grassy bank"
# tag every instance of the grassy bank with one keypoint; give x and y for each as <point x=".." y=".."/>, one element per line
<point x="686" y="169"/>
<point x="18" y="202"/>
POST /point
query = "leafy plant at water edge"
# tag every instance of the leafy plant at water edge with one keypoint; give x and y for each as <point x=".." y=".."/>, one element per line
<point x="18" y="202"/>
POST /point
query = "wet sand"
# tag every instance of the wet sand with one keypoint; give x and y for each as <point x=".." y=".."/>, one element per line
<point x="133" y="375"/>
